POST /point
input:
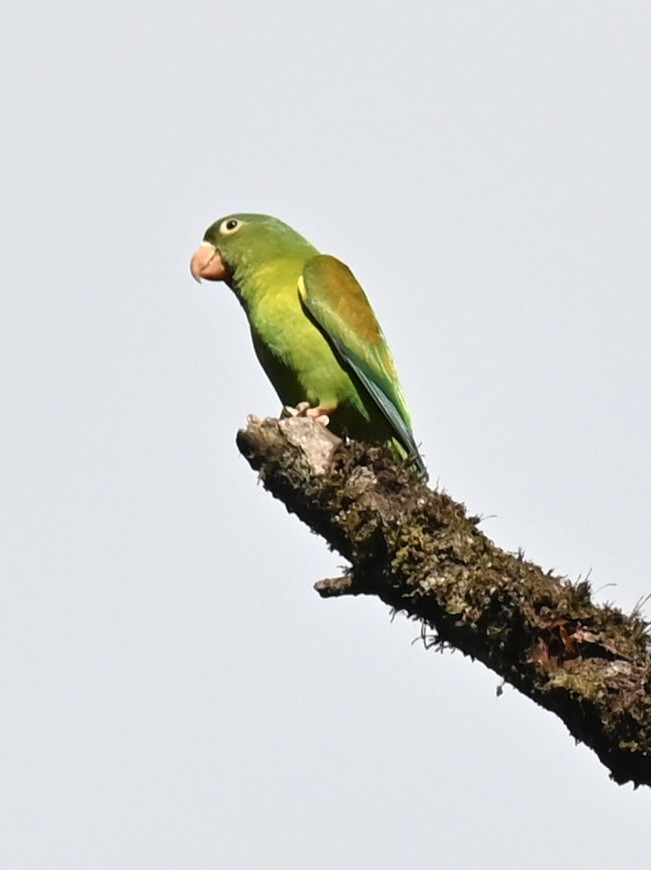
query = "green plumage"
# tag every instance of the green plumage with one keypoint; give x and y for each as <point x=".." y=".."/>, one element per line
<point x="313" y="330"/>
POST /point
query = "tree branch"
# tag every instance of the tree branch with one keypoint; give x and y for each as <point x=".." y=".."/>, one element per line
<point x="418" y="551"/>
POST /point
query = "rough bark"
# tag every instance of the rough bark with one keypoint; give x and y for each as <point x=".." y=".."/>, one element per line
<point x="419" y="552"/>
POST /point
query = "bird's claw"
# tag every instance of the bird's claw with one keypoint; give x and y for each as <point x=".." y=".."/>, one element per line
<point x="303" y="409"/>
<point x="318" y="416"/>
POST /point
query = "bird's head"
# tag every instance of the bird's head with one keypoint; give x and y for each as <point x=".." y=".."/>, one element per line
<point x="244" y="241"/>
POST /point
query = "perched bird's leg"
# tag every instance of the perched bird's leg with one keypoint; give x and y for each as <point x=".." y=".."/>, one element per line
<point x="303" y="409"/>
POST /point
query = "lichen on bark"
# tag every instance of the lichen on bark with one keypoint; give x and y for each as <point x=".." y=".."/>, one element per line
<point x="418" y="551"/>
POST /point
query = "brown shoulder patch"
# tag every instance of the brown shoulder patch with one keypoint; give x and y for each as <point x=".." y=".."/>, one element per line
<point x="331" y="285"/>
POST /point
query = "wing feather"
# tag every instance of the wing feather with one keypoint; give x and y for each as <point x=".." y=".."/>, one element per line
<point x="338" y="304"/>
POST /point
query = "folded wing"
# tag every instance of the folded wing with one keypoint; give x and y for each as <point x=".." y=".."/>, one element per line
<point x="337" y="303"/>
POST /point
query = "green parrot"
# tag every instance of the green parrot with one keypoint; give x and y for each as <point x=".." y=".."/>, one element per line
<point x="313" y="329"/>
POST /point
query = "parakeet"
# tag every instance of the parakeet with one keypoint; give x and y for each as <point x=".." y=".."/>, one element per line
<point x="313" y="329"/>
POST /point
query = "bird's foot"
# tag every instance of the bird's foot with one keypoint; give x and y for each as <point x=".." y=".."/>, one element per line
<point x="299" y="411"/>
<point x="303" y="409"/>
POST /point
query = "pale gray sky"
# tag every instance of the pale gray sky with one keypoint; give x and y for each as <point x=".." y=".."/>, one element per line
<point x="174" y="694"/>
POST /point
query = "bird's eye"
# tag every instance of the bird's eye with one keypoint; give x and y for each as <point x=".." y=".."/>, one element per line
<point x="230" y="226"/>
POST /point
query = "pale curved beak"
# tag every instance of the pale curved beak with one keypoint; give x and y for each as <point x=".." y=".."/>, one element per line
<point x="207" y="263"/>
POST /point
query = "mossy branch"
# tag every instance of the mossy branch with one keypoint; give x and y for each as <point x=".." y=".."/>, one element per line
<point x="419" y="552"/>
